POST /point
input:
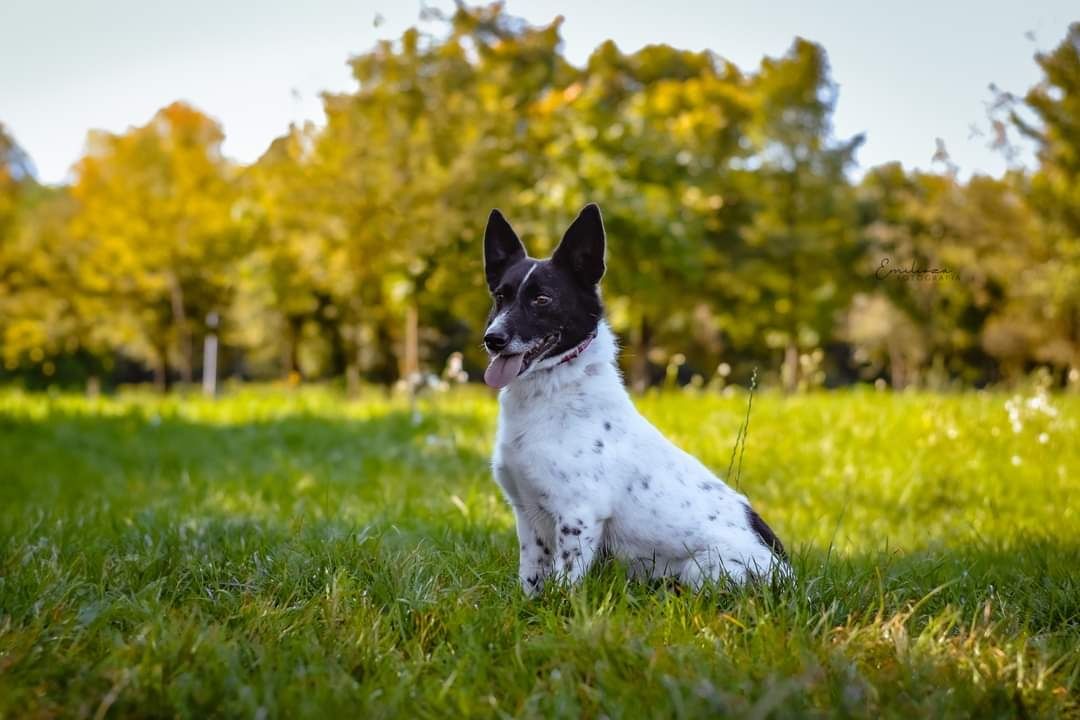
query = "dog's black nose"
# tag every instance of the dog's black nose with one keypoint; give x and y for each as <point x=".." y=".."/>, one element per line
<point x="496" y="341"/>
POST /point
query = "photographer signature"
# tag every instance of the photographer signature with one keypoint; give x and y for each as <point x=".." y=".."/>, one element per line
<point x="914" y="272"/>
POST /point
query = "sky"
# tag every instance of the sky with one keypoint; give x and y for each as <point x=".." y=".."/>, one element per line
<point x="908" y="72"/>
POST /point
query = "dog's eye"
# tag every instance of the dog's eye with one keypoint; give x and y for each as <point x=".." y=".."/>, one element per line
<point x="541" y="300"/>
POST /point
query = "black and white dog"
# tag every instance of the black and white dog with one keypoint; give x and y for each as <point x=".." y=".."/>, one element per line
<point x="582" y="469"/>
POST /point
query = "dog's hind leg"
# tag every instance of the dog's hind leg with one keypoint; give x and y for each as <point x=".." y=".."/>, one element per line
<point x="711" y="566"/>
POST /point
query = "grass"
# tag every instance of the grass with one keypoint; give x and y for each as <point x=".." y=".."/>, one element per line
<point x="286" y="553"/>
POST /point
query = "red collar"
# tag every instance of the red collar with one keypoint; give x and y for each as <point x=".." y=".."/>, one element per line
<point x="578" y="350"/>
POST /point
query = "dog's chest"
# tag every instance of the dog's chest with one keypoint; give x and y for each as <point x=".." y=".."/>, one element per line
<point x="556" y="444"/>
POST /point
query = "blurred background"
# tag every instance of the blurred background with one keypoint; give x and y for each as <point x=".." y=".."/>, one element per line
<point x="759" y="213"/>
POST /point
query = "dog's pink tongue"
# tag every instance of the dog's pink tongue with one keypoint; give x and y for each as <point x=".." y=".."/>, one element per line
<point x="502" y="370"/>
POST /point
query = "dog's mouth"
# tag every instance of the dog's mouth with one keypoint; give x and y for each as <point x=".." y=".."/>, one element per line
<point x="505" y="367"/>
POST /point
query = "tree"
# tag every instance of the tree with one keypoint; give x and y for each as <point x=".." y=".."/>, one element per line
<point x="157" y="212"/>
<point x="283" y="289"/>
<point x="982" y="234"/>
<point x="411" y="163"/>
<point x="1053" y="283"/>
<point x="797" y="259"/>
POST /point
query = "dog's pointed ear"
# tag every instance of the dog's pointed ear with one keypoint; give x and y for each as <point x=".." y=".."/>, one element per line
<point x="502" y="248"/>
<point x="581" y="250"/>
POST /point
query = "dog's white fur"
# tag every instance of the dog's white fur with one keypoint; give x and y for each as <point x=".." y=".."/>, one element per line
<point x="584" y="471"/>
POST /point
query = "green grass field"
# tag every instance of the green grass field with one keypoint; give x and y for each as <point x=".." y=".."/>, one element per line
<point x="284" y="553"/>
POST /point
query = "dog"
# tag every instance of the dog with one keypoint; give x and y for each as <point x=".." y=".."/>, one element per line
<point x="585" y="473"/>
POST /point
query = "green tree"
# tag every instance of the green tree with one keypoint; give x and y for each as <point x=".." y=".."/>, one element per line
<point x="799" y="256"/>
<point x="650" y="136"/>
<point x="411" y="162"/>
<point x="1052" y="284"/>
<point x="981" y="232"/>
<point x="158" y="217"/>
<point x="283" y="294"/>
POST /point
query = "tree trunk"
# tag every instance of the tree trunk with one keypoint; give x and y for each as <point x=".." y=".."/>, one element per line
<point x="354" y="359"/>
<point x="789" y="371"/>
<point x="161" y="370"/>
<point x="639" y="367"/>
<point x="897" y="370"/>
<point x="411" y="359"/>
<point x="183" y="332"/>
<point x="339" y="346"/>
<point x="352" y="380"/>
<point x="291" y="356"/>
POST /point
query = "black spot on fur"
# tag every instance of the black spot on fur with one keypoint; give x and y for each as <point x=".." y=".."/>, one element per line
<point x="598" y="446"/>
<point x="713" y="516"/>
<point x="532" y="580"/>
<point x="607" y="425"/>
<point x="706" y="486"/>
<point x="565" y="554"/>
<point x="765" y="534"/>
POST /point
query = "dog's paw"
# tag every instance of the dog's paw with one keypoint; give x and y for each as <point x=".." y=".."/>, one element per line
<point x="532" y="585"/>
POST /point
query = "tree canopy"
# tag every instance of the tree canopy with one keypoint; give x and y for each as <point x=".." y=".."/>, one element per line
<point x="738" y="233"/>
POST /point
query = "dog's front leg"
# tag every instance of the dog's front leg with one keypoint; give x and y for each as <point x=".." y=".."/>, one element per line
<point x="577" y="539"/>
<point x="535" y="558"/>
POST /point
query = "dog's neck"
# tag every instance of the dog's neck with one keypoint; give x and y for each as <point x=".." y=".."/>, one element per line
<point x="592" y="359"/>
<point x="573" y="353"/>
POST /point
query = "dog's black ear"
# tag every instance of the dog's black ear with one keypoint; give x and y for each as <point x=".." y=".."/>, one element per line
<point x="502" y="248"/>
<point x="581" y="250"/>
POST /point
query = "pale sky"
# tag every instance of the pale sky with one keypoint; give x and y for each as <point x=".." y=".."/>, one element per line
<point x="908" y="72"/>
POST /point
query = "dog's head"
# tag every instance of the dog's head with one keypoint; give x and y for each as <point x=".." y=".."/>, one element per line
<point x="543" y="308"/>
